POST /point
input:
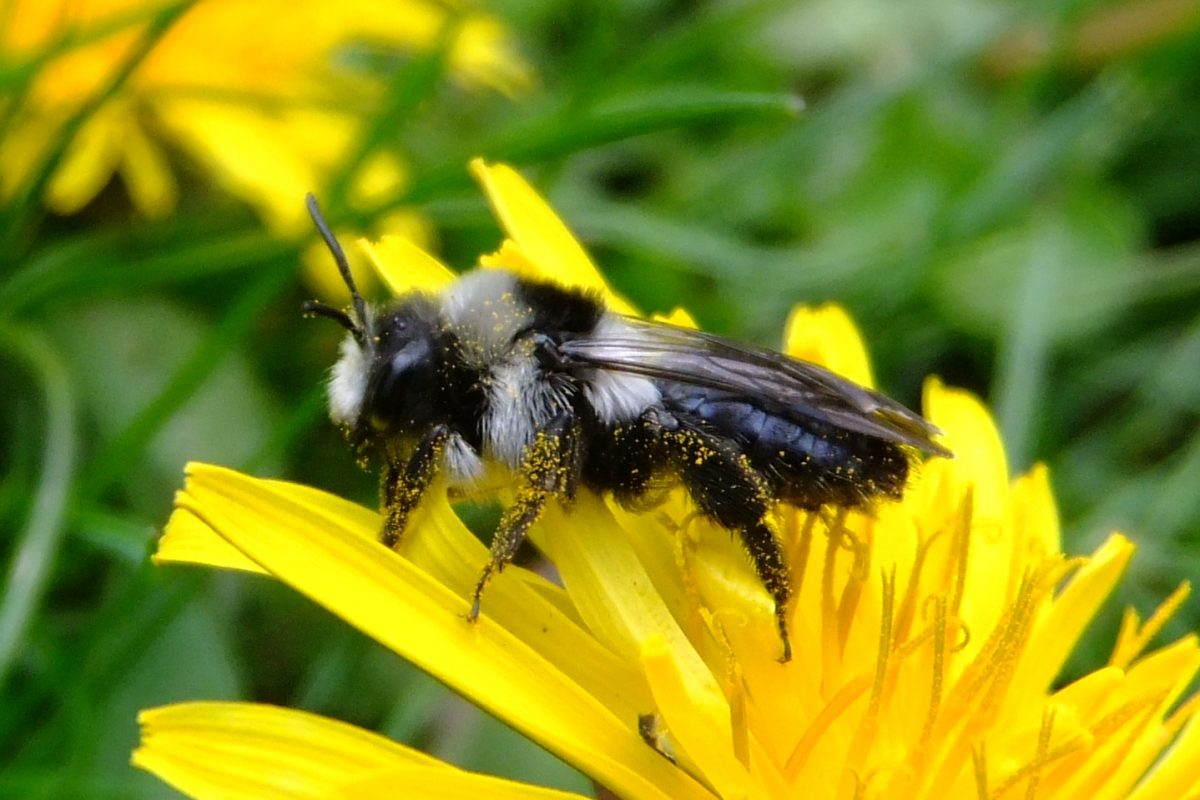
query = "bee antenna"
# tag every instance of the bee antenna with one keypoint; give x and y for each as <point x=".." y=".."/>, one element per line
<point x="339" y="256"/>
<point x="312" y="308"/>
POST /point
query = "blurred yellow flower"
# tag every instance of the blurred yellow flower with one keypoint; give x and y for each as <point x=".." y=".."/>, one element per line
<point x="929" y="637"/>
<point x="262" y="93"/>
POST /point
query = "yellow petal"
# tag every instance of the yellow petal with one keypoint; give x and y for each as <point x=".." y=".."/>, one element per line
<point x="1174" y="774"/>
<point x="513" y="258"/>
<point x="1035" y="517"/>
<point x="1058" y="630"/>
<point x="372" y="588"/>
<point x="698" y="718"/>
<point x="611" y="589"/>
<point x="526" y="605"/>
<point x="323" y="277"/>
<point x="400" y="259"/>
<point x="534" y="226"/>
<point x="444" y="784"/>
<point x="243" y="750"/>
<point x="679" y="317"/>
<point x="617" y="598"/>
<point x="443" y="548"/>
<point x="188" y="540"/>
<point x="89" y="162"/>
<point x="1132" y="747"/>
<point x="1135" y="636"/>
<point x="827" y="336"/>
<point x="406" y="267"/>
<point x="249" y="154"/>
<point x="147" y="174"/>
<point x="978" y="471"/>
<point x="224" y="750"/>
<point x="978" y="451"/>
<point x="1165" y="672"/>
<point x="540" y="235"/>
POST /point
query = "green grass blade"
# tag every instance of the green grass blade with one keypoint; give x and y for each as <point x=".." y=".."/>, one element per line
<point x="38" y="543"/>
<point x="562" y="131"/>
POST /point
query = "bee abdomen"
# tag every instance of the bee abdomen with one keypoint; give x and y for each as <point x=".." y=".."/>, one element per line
<point x="809" y="463"/>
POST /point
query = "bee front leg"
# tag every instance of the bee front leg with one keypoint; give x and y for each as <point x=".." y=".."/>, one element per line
<point x="549" y="468"/>
<point x="405" y="482"/>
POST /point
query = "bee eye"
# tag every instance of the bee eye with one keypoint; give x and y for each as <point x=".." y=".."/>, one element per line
<point x="399" y="384"/>
<point x="395" y="327"/>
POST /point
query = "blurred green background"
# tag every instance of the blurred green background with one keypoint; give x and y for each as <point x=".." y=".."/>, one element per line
<point x="1004" y="194"/>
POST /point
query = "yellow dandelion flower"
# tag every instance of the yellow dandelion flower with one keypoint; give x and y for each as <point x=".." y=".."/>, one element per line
<point x="254" y="90"/>
<point x="929" y="637"/>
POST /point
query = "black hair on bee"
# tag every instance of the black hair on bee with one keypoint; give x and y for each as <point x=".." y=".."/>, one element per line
<point x="546" y="384"/>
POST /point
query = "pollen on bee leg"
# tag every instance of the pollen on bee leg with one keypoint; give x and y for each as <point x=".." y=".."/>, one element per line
<point x="762" y="541"/>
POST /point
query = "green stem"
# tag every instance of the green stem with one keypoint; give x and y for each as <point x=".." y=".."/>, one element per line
<point x="38" y="543"/>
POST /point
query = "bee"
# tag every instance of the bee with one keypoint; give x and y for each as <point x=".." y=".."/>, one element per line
<point x="545" y="385"/>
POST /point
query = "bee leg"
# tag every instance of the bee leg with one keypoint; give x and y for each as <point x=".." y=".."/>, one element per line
<point x="405" y="483"/>
<point x="550" y="468"/>
<point x="767" y="555"/>
<point x="728" y="490"/>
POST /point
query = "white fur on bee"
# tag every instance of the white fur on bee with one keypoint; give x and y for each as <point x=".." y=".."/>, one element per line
<point x="463" y="465"/>
<point x="618" y="396"/>
<point x="522" y="400"/>
<point x="482" y="309"/>
<point x="348" y="383"/>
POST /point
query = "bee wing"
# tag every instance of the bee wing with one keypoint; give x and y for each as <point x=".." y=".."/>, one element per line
<point x="790" y="387"/>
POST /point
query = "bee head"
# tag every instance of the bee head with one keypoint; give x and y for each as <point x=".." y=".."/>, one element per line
<point x="348" y="381"/>
<point x="380" y="383"/>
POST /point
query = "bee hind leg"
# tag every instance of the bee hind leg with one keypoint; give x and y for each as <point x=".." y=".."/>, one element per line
<point x="728" y="490"/>
<point x="549" y="468"/>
